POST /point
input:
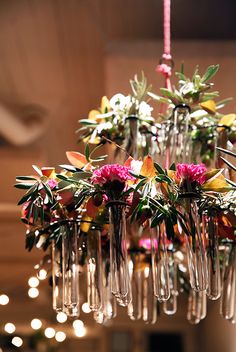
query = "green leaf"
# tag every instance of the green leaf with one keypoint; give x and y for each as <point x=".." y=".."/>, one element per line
<point x="157" y="219"/>
<point x="169" y="228"/>
<point x="210" y="72"/>
<point x="140" y="184"/>
<point x="37" y="169"/>
<point x="87" y="152"/>
<point x="48" y="192"/>
<point x="26" y="178"/>
<point x="81" y="175"/>
<point x="136" y="175"/>
<point x="88" y="122"/>
<point x="29" y="194"/>
<point x="69" y="168"/>
<point x="181" y="76"/>
<point x="172" y="167"/>
<point x="226" y="151"/>
<point x="233" y="167"/>
<point x="23" y="185"/>
<point x="62" y="177"/>
<point x="159" y="169"/>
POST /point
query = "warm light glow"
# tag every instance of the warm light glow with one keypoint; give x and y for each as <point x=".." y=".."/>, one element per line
<point x="49" y="333"/>
<point x="4" y="300"/>
<point x="60" y="336"/>
<point x="61" y="317"/>
<point x="33" y="281"/>
<point x="33" y="292"/>
<point x="85" y="308"/>
<point x="17" y="341"/>
<point x="80" y="332"/>
<point x="36" y="324"/>
<point x="78" y="324"/>
<point x="10" y="328"/>
<point x="42" y="274"/>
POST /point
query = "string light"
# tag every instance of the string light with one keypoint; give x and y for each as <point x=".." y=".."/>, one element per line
<point x="33" y="282"/>
<point x="85" y="308"/>
<point x="42" y="274"/>
<point x="33" y="292"/>
<point x="9" y="328"/>
<point x="60" y="336"/>
<point x="77" y="324"/>
<point x="17" y="341"/>
<point x="80" y="332"/>
<point x="36" y="324"/>
<point x="49" y="333"/>
<point x="61" y="317"/>
<point x="4" y="300"/>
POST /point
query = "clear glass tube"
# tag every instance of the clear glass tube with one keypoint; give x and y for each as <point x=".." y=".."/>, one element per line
<point x="170" y="306"/>
<point x="210" y="227"/>
<point x="149" y="300"/>
<point x="194" y="312"/>
<point x="160" y="263"/>
<point x="203" y="304"/>
<point x="228" y="296"/>
<point x="70" y="268"/>
<point x="222" y="141"/>
<point x="94" y="270"/>
<point x="131" y="145"/>
<point x="108" y="308"/>
<point x="118" y="251"/>
<point x="57" y="279"/>
<point x="135" y="306"/>
<point x="196" y="251"/>
<point x="178" y="138"/>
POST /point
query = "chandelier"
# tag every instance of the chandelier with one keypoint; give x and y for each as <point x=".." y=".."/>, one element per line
<point x="155" y="217"/>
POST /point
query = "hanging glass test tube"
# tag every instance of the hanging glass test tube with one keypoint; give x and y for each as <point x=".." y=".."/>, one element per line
<point x="94" y="270"/>
<point x="118" y="251"/>
<point x="57" y="279"/>
<point x="70" y="268"/>
<point x="109" y="300"/>
<point x="178" y="138"/>
<point x="131" y="144"/>
<point x="135" y="306"/>
<point x="170" y="306"/>
<point x="222" y="141"/>
<point x="227" y="306"/>
<point x="149" y="300"/>
<point x="210" y="228"/>
<point x="196" y="251"/>
<point x="196" y="306"/>
<point x="160" y="263"/>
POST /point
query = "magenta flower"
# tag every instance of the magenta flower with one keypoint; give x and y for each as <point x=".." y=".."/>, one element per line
<point x="111" y="172"/>
<point x="52" y="183"/>
<point x="191" y="172"/>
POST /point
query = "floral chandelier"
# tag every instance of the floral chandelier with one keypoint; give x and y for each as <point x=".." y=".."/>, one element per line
<point x="157" y="217"/>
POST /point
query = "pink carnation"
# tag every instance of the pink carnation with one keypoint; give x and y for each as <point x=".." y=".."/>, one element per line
<point x="111" y="172"/>
<point x="191" y="172"/>
<point x="52" y="183"/>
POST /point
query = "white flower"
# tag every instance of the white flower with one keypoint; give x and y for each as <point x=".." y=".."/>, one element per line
<point x="118" y="102"/>
<point x="145" y="109"/>
<point x="136" y="166"/>
<point x="187" y="88"/>
<point x="104" y="126"/>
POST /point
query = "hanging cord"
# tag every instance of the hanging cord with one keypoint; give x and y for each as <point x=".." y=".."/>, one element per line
<point x="166" y="63"/>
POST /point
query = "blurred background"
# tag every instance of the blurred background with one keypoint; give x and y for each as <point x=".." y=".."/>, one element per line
<point x="57" y="58"/>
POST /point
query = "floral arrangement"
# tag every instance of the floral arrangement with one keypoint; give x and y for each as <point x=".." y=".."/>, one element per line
<point x="140" y="218"/>
<point x="81" y="192"/>
<point x="111" y="122"/>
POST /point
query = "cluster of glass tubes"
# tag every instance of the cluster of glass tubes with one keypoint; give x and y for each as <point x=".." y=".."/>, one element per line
<point x="142" y="280"/>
